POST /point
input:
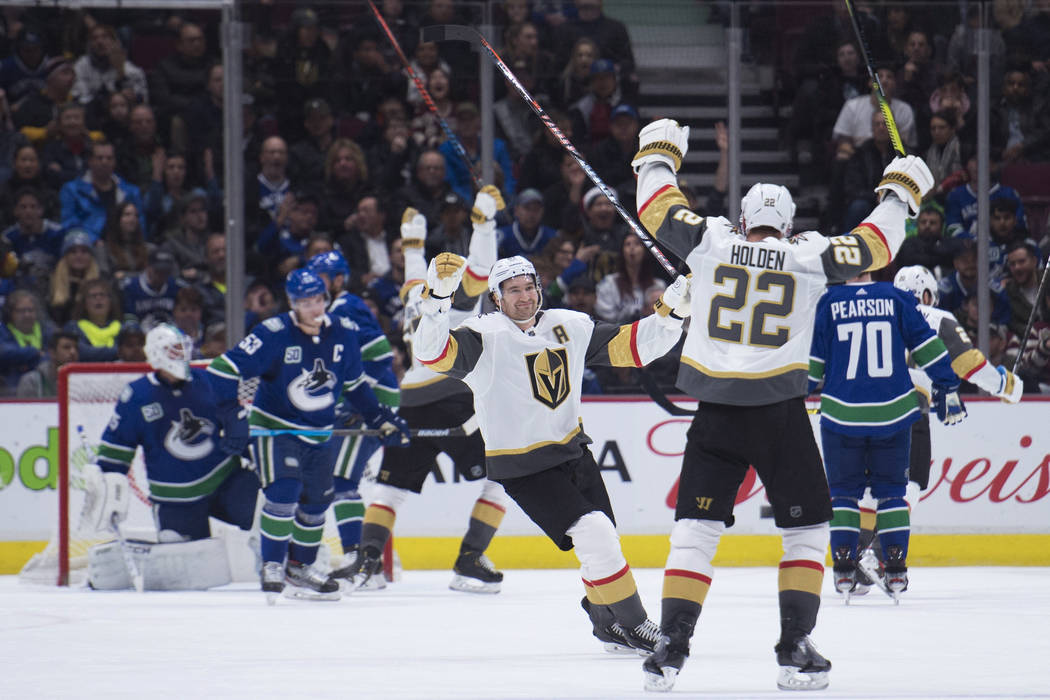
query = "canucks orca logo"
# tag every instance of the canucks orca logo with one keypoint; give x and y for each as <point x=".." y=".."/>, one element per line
<point x="189" y="437"/>
<point x="549" y="376"/>
<point x="312" y="390"/>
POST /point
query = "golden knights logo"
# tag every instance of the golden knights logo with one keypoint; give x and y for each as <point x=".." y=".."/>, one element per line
<point x="549" y="375"/>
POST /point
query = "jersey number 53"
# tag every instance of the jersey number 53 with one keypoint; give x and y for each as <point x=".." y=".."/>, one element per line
<point x="772" y="294"/>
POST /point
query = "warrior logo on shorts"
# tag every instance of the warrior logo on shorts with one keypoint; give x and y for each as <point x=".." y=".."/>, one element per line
<point x="312" y="390"/>
<point x="189" y="437"/>
<point x="549" y="375"/>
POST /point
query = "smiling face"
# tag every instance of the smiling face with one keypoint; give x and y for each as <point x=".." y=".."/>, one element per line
<point x="521" y="299"/>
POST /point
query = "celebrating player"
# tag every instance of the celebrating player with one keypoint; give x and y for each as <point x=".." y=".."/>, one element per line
<point x="170" y="412"/>
<point x="307" y="362"/>
<point x="356" y="450"/>
<point x="432" y="400"/>
<point x="861" y="334"/>
<point x="754" y="294"/>
<point x="525" y="367"/>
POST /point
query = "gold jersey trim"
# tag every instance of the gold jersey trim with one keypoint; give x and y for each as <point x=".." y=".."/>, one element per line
<point x="536" y="445"/>
<point x="968" y="362"/>
<point x="654" y="211"/>
<point x="745" y="375"/>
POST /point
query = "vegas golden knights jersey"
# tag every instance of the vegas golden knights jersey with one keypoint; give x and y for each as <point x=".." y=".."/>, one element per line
<point x="753" y="303"/>
<point x="968" y="362"/>
<point x="526" y="384"/>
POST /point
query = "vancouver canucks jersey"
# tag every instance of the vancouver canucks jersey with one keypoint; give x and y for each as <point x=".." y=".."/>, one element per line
<point x="968" y="362"/>
<point x="860" y="342"/>
<point x="177" y="430"/>
<point x="527" y="384"/>
<point x="302" y="377"/>
<point x="376" y="355"/>
<point x="753" y="302"/>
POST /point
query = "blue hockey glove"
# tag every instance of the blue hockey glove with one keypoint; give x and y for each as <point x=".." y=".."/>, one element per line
<point x="393" y="426"/>
<point x="948" y="405"/>
<point x="235" y="431"/>
<point x="346" y="416"/>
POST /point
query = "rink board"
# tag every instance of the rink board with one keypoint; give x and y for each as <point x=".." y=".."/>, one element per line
<point x="988" y="501"/>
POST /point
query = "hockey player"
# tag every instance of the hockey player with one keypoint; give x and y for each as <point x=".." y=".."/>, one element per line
<point x="355" y="451"/>
<point x="862" y="334"/>
<point x="171" y="414"/>
<point x="432" y="400"/>
<point x="745" y="358"/>
<point x="306" y="361"/>
<point x="525" y="368"/>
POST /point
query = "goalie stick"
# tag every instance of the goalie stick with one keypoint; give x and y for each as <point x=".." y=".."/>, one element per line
<point x="884" y="106"/>
<point x="456" y="32"/>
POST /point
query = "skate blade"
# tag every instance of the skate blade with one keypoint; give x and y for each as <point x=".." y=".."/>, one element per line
<point x="472" y="585"/>
<point x="297" y="593"/>
<point x="375" y="583"/>
<point x="271" y="598"/>
<point x="662" y="683"/>
<point x="619" y="649"/>
<point x="792" y="678"/>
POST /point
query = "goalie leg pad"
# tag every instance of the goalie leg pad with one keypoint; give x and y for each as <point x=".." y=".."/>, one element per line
<point x="180" y="566"/>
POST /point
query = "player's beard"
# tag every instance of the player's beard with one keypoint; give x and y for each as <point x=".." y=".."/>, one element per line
<point x="522" y="311"/>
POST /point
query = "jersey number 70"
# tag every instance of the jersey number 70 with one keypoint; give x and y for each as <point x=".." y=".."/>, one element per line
<point x="765" y="281"/>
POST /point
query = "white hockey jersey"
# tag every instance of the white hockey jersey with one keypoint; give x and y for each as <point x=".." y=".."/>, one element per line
<point x="753" y="303"/>
<point x="967" y="361"/>
<point x="527" y="384"/>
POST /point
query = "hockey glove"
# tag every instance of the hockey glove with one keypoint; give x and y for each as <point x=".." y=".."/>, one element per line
<point x="663" y="141"/>
<point x="394" y="428"/>
<point x="413" y="229"/>
<point x="235" y="430"/>
<point x="1010" y="385"/>
<point x="443" y="277"/>
<point x="106" y="499"/>
<point x="909" y="179"/>
<point x="487" y="202"/>
<point x="676" y="299"/>
<point x="948" y="405"/>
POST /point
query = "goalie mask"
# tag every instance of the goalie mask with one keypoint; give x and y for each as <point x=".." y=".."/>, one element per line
<point x="168" y="349"/>
<point x="767" y="205"/>
<point x="917" y="279"/>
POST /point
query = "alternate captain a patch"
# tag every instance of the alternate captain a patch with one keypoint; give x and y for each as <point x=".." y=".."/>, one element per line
<point x="549" y="375"/>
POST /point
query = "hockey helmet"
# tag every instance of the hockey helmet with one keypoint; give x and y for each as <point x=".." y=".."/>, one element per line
<point x="303" y="283"/>
<point x="331" y="263"/>
<point x="170" y="350"/>
<point x="767" y="205"/>
<point x="917" y="279"/>
<point x="508" y="268"/>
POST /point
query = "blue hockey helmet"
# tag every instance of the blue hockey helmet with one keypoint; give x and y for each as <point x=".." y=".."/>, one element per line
<point x="303" y="283"/>
<point x="331" y="263"/>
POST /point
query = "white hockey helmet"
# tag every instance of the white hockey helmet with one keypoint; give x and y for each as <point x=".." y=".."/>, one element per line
<point x="767" y="205"/>
<point x="507" y="268"/>
<point x="169" y="349"/>
<point x="917" y="279"/>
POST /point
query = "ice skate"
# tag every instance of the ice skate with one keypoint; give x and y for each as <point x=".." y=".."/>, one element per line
<point x="895" y="574"/>
<point x="368" y="565"/>
<point x="845" y="573"/>
<point x="672" y="649"/>
<point x="475" y="573"/>
<point x="344" y="573"/>
<point x="643" y="637"/>
<point x="272" y="580"/>
<point x="305" y="582"/>
<point x="801" y="666"/>
<point x="606" y="629"/>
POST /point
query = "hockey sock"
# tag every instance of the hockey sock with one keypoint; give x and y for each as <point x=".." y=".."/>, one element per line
<point x="687" y="576"/>
<point x="307" y="530"/>
<point x="845" y="526"/>
<point x="485" y="519"/>
<point x="894" y="524"/>
<point x="378" y="524"/>
<point x="603" y="568"/>
<point x="620" y="594"/>
<point x="349" y="509"/>
<point x="275" y="529"/>
<point x="800" y="578"/>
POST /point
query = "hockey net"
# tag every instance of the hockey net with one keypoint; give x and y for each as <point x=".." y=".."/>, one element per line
<point x="87" y="393"/>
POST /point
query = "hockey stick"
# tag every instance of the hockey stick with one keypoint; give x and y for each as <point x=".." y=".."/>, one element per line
<point x="458" y="431"/>
<point x="456" y="32"/>
<point x="460" y="151"/>
<point x="129" y="557"/>
<point x="1031" y="316"/>
<point x="884" y="106"/>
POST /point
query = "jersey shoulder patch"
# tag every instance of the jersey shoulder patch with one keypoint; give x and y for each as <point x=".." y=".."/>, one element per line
<point x="126" y="394"/>
<point x="274" y="323"/>
<point x="348" y="324"/>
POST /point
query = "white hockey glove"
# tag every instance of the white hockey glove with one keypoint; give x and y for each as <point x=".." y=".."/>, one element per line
<point x="1010" y="386"/>
<point x="482" y="253"/>
<point x="413" y="229"/>
<point x="443" y="277"/>
<point x="909" y="179"/>
<point x="948" y="405"/>
<point x="106" y="503"/>
<point x="676" y="300"/>
<point x="663" y="141"/>
<point x="487" y="202"/>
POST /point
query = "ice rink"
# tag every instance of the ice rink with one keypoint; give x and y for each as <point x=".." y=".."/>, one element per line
<point x="959" y="632"/>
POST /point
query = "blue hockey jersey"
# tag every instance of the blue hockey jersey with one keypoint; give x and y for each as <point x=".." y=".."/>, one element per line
<point x="178" y="433"/>
<point x="303" y="376"/>
<point x="861" y="337"/>
<point x="376" y="354"/>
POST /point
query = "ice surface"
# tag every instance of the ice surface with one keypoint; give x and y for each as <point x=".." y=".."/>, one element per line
<point x="959" y="632"/>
